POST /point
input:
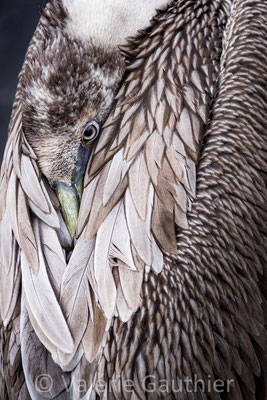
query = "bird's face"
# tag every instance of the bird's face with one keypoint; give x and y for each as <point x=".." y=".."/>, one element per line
<point x="67" y="88"/>
<point x="68" y="185"/>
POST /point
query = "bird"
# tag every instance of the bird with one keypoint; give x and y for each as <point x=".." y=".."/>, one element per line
<point x="133" y="205"/>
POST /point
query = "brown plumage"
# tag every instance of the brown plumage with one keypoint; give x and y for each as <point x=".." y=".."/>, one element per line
<point x="165" y="281"/>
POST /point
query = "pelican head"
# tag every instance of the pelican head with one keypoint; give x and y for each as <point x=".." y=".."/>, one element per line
<point x="67" y="88"/>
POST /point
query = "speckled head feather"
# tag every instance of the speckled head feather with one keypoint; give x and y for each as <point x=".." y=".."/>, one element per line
<point x="65" y="81"/>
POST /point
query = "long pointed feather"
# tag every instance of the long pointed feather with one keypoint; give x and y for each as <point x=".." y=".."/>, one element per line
<point x="139" y="185"/>
<point x="120" y="248"/>
<point x="9" y="277"/>
<point x="53" y="255"/>
<point x="94" y="335"/>
<point x="185" y="129"/>
<point x="63" y="234"/>
<point x="140" y="231"/>
<point x="50" y="218"/>
<point x="131" y="282"/>
<point x="117" y="171"/>
<point x="163" y="228"/>
<point x="31" y="185"/>
<point x="176" y="161"/>
<point x="73" y="296"/>
<point x="102" y="267"/>
<point x="43" y="302"/>
<point x="6" y="243"/>
<point x="15" y="133"/>
<point x="154" y="152"/>
<point x="189" y="177"/>
<point x="87" y="199"/>
<point x="157" y="263"/>
<point x="123" y="309"/>
<point x="98" y="212"/>
<point x="37" y="361"/>
<point x="12" y="193"/>
<point x="26" y="236"/>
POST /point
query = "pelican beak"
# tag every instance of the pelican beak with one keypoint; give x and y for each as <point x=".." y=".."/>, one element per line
<point x="70" y="204"/>
<point x="70" y="194"/>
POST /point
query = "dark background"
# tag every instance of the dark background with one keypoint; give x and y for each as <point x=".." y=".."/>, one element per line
<point x="18" y="20"/>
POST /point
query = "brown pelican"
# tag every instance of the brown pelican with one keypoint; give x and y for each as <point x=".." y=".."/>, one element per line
<point x="134" y="268"/>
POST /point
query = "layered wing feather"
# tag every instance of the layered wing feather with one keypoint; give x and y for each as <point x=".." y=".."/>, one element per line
<point x="145" y="160"/>
<point x="204" y="316"/>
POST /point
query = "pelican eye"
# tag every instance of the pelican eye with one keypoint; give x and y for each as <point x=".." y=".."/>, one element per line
<point x="91" y="131"/>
